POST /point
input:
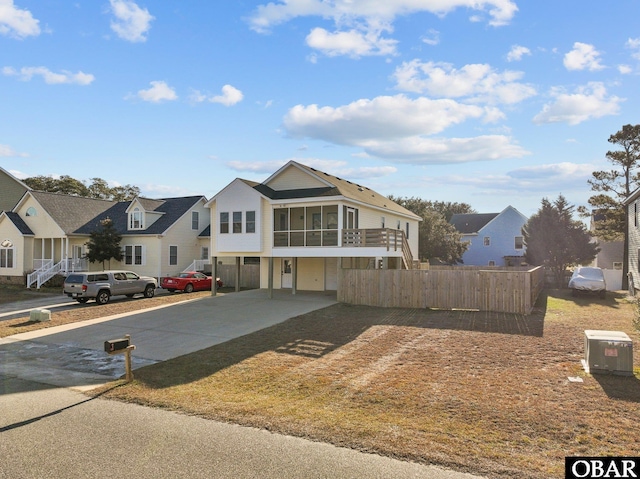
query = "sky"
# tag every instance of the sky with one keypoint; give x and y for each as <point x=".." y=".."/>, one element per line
<point x="487" y="102"/>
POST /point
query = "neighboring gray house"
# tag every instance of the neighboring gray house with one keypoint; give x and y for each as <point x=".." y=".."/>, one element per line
<point x="495" y="239"/>
<point x="11" y="190"/>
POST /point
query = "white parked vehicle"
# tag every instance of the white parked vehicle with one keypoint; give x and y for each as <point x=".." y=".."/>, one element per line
<point x="588" y="279"/>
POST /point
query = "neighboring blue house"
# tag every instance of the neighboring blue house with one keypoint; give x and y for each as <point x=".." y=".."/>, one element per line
<point x="495" y="239"/>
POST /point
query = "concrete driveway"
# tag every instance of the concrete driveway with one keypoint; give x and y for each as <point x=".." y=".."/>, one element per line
<point x="73" y="355"/>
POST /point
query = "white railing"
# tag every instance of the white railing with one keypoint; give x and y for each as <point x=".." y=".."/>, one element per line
<point x="48" y="274"/>
<point x="48" y="270"/>
<point x="40" y="265"/>
<point x="71" y="265"/>
<point x="197" y="265"/>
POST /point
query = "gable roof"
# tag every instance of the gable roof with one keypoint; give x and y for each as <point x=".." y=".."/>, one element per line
<point x="335" y="186"/>
<point x="19" y="223"/>
<point x="469" y="223"/>
<point x="172" y="209"/>
<point x="70" y="212"/>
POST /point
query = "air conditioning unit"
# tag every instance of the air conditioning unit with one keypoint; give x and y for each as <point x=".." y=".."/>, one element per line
<point x="608" y="352"/>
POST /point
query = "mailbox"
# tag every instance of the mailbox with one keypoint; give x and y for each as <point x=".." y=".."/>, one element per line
<point x="116" y="345"/>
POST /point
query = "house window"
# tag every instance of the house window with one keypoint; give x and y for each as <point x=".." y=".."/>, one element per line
<point x="173" y="255"/>
<point x="487" y="241"/>
<point x="635" y="214"/>
<point x="224" y="222"/>
<point x="134" y="254"/>
<point x="519" y="242"/>
<point x="136" y="220"/>
<point x="237" y="221"/>
<point x="382" y="222"/>
<point x="250" y="222"/>
<point x="195" y="220"/>
<point x="407" y="230"/>
<point x="398" y="225"/>
<point x="31" y="211"/>
<point x="617" y="265"/>
<point x="6" y="254"/>
<point x="204" y="252"/>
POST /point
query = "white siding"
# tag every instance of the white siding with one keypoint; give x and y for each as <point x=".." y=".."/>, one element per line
<point x="238" y="197"/>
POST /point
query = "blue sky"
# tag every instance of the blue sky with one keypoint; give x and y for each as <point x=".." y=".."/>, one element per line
<point x="492" y="103"/>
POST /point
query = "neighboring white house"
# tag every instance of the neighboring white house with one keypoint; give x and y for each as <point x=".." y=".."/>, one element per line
<point x="47" y="233"/>
<point x="495" y="239"/>
<point x="304" y="224"/>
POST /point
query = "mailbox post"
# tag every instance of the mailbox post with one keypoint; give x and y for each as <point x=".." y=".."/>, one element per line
<point x="122" y="346"/>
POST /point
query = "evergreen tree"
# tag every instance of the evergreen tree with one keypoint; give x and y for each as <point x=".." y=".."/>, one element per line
<point x="104" y="243"/>
<point x="438" y="240"/>
<point x="554" y="239"/>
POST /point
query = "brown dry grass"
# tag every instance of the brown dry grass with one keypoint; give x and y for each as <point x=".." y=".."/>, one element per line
<point x="477" y="392"/>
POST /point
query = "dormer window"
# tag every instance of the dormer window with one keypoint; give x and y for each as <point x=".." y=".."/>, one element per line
<point x="136" y="218"/>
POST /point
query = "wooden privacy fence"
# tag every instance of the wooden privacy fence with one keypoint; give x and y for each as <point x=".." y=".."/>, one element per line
<point x="508" y="290"/>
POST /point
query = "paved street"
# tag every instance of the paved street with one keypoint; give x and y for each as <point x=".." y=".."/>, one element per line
<point x="59" y="433"/>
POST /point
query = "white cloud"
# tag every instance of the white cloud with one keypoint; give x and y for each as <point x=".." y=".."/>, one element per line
<point x="49" y="77"/>
<point x="421" y="151"/>
<point x="398" y="128"/>
<point x="476" y="82"/>
<point x="546" y="180"/>
<point x="373" y="11"/>
<point x="17" y="23"/>
<point x="132" y="22"/>
<point x="625" y="69"/>
<point x="588" y="102"/>
<point x="353" y="43"/>
<point x="433" y="38"/>
<point x="158" y="92"/>
<point x="583" y="57"/>
<point x="634" y="44"/>
<point x="7" y="152"/>
<point x="383" y="117"/>
<point x="230" y="96"/>
<point x="360" y="23"/>
<point x="517" y="52"/>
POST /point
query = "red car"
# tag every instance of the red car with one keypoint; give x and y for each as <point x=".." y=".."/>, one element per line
<point x="188" y="281"/>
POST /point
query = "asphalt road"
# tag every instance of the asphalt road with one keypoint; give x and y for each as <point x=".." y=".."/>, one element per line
<point x="59" y="433"/>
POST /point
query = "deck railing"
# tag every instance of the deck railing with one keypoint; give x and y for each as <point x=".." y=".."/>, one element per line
<point x="392" y="240"/>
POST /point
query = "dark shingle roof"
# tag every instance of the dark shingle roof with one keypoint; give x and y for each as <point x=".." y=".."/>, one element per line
<point x="469" y="223"/>
<point x="171" y="208"/>
<point x="206" y="233"/>
<point x="19" y="223"/>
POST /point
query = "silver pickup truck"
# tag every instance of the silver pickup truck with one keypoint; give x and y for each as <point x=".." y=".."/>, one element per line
<point x="101" y="285"/>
